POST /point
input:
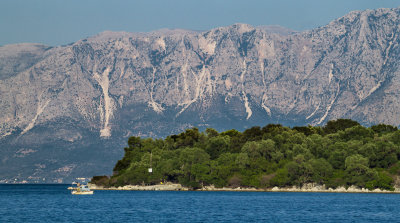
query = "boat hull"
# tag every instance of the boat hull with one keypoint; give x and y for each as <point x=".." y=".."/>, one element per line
<point x="82" y="192"/>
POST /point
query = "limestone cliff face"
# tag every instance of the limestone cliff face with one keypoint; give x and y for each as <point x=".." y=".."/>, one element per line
<point x="67" y="111"/>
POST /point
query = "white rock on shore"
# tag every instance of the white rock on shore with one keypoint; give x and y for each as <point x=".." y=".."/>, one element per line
<point x="162" y="187"/>
<point x="305" y="188"/>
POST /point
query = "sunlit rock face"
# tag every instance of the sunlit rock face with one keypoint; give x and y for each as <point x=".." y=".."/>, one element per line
<point x="67" y="111"/>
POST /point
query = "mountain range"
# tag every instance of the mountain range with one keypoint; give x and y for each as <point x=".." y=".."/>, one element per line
<point x="67" y="111"/>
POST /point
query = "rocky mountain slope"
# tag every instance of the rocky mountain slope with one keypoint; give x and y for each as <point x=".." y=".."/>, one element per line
<point x="67" y="111"/>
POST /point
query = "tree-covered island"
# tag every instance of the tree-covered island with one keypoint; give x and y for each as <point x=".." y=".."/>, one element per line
<point x="341" y="153"/>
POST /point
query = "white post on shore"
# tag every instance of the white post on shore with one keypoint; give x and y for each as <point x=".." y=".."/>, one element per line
<point x="151" y="164"/>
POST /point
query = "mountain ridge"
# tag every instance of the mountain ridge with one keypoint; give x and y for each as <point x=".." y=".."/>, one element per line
<point x="92" y="94"/>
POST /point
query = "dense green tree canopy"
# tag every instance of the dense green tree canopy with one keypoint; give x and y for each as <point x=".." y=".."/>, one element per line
<point x="341" y="153"/>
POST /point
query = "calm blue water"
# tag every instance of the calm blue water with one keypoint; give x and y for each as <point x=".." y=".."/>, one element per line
<point x="54" y="203"/>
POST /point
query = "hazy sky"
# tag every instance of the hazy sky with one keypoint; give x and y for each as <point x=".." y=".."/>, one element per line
<point x="57" y="22"/>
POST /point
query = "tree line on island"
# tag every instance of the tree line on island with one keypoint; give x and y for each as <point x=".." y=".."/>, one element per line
<point x="341" y="153"/>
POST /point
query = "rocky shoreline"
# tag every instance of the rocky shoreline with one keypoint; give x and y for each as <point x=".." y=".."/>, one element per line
<point x="305" y="188"/>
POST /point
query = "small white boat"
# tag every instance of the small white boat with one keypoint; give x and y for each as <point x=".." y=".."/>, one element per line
<point x="81" y="190"/>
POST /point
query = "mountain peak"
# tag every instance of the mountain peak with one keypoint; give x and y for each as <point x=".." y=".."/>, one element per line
<point x="242" y="27"/>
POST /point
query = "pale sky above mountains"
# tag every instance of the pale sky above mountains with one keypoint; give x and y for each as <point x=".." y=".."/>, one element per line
<point x="58" y="22"/>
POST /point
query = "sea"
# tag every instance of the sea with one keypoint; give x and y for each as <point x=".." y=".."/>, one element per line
<point x="54" y="203"/>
